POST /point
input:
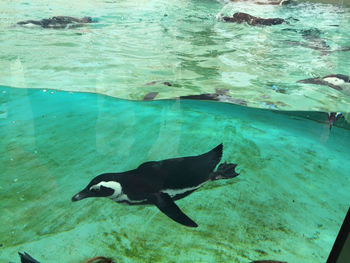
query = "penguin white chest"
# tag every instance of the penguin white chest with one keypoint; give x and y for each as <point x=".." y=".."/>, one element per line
<point x="334" y="81"/>
<point x="174" y="192"/>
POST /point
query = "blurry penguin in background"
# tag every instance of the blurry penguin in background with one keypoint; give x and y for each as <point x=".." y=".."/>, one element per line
<point x="332" y="117"/>
<point x="58" y="22"/>
<point x="335" y="81"/>
<point x="26" y="258"/>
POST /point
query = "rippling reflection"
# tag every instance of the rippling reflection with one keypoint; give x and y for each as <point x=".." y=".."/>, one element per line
<point x="136" y="42"/>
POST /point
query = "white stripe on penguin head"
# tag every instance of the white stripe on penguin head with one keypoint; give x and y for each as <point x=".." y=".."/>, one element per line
<point x="110" y="184"/>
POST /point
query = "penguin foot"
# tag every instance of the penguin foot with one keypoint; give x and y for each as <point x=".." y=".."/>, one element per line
<point x="225" y="171"/>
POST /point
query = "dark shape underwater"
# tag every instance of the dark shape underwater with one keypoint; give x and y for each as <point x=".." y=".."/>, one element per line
<point x="161" y="182"/>
<point x="58" y="22"/>
<point x="333" y="117"/>
<point x="26" y="258"/>
<point x="241" y="17"/>
<point x="335" y="81"/>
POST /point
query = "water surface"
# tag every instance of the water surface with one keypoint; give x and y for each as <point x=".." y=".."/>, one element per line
<point x="181" y="42"/>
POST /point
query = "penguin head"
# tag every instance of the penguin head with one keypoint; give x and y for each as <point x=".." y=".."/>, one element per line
<point x="100" y="186"/>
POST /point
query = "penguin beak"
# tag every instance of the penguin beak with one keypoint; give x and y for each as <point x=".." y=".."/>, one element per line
<point x="81" y="195"/>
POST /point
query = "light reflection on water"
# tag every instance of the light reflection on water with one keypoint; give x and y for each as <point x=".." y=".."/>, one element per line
<point x="182" y="43"/>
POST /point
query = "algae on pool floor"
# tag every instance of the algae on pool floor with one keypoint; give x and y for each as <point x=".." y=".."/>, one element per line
<point x="288" y="202"/>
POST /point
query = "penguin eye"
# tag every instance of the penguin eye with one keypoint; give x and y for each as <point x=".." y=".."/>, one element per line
<point x="95" y="189"/>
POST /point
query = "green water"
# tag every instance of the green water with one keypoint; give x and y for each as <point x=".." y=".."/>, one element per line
<point x="58" y="130"/>
<point x="287" y="204"/>
<point x="182" y="42"/>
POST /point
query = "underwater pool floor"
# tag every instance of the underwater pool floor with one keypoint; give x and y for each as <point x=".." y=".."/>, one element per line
<point x="287" y="204"/>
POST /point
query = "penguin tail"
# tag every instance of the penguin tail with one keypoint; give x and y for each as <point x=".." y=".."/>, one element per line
<point x="225" y="171"/>
<point x="218" y="151"/>
<point x="214" y="156"/>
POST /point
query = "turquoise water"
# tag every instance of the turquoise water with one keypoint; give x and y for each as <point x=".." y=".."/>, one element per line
<point x="71" y="108"/>
<point x="287" y="204"/>
<point x="181" y="42"/>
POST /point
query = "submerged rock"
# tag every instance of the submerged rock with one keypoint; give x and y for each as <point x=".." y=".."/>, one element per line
<point x="58" y="22"/>
<point x="253" y="20"/>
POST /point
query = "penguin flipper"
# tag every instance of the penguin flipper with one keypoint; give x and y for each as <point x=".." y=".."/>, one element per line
<point x="26" y="258"/>
<point x="167" y="206"/>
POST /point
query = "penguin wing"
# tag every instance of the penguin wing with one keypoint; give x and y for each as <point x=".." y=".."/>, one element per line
<point x="167" y="206"/>
<point x="26" y="258"/>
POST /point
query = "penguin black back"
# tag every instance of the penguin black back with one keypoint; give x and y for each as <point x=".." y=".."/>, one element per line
<point x="183" y="172"/>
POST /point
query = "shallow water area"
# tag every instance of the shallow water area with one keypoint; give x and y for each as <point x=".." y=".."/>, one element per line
<point x="184" y="43"/>
<point x="287" y="204"/>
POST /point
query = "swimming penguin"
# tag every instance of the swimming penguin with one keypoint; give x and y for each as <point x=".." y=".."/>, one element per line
<point x="241" y="17"/>
<point x="333" y="117"/>
<point x="26" y="258"/>
<point x="268" y="261"/>
<point x="58" y="22"/>
<point x="335" y="81"/>
<point x="161" y="182"/>
<point x="279" y="2"/>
